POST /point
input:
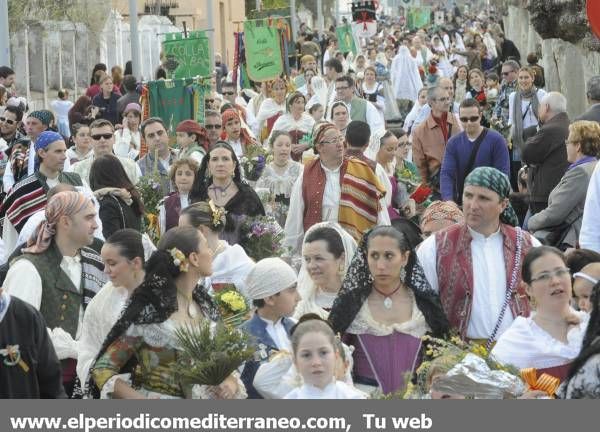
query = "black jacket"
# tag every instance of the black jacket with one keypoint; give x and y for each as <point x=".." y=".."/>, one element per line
<point x="116" y="215"/>
<point x="592" y="114"/>
<point x="546" y="154"/>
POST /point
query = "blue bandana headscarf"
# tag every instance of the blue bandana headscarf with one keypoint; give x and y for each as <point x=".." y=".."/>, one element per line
<point x="46" y="138"/>
<point x="494" y="180"/>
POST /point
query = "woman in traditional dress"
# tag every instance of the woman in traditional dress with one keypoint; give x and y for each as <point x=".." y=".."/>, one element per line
<point x="182" y="173"/>
<point x="370" y="89"/>
<point x="123" y="256"/>
<point x="230" y="264"/>
<point x="279" y="175"/>
<point x="296" y="122"/>
<point x="327" y="251"/>
<point x="583" y="380"/>
<point x="144" y="336"/>
<point x="272" y="107"/>
<point x="384" y="307"/>
<point x="234" y="133"/>
<point x="551" y="337"/>
<point x="219" y="179"/>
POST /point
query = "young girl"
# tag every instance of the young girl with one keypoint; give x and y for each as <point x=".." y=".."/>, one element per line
<point x="315" y="355"/>
<point x="182" y="174"/>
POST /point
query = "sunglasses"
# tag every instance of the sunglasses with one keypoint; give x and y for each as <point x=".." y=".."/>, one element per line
<point x="215" y="126"/>
<point x="471" y="119"/>
<point x="106" y="136"/>
<point x="8" y="121"/>
<point x="228" y="93"/>
<point x="209" y="100"/>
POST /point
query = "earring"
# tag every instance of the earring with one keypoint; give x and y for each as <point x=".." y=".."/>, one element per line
<point x="403" y="274"/>
<point x="341" y="271"/>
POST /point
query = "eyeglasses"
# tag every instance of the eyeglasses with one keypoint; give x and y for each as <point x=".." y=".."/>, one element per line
<point x="8" y="121"/>
<point x="228" y="93"/>
<point x="471" y="119"/>
<point x="547" y="276"/>
<point x="215" y="126"/>
<point x="506" y="73"/>
<point x="337" y="140"/>
<point x="106" y="136"/>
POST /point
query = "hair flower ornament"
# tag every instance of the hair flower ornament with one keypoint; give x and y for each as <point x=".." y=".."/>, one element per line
<point x="179" y="259"/>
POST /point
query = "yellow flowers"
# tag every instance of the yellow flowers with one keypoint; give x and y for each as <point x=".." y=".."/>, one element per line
<point x="179" y="259"/>
<point x="234" y="300"/>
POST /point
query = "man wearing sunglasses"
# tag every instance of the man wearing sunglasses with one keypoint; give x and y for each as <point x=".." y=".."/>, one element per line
<point x="476" y="146"/>
<point x="10" y="120"/>
<point x="510" y="73"/>
<point x="103" y="140"/>
<point x="213" y="126"/>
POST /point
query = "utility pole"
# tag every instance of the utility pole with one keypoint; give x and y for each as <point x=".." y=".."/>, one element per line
<point x="136" y="62"/>
<point x="320" y="17"/>
<point x="210" y="32"/>
<point x="4" y="36"/>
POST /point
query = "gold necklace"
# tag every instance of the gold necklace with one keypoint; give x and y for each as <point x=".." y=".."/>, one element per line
<point x="191" y="310"/>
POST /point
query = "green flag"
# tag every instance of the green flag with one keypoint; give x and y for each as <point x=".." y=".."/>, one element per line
<point x="418" y="17"/>
<point x="346" y="39"/>
<point x="187" y="58"/>
<point x="263" y="52"/>
<point x="172" y="101"/>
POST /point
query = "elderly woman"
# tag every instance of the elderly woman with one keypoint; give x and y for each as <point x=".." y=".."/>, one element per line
<point x="583" y="380"/>
<point x="551" y="337"/>
<point x="280" y="175"/>
<point x="384" y="307"/>
<point x="559" y="224"/>
<point x="327" y="251"/>
<point x="440" y="215"/>
<point x="296" y="122"/>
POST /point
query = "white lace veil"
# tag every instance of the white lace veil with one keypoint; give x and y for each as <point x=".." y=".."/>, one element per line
<point x="306" y="287"/>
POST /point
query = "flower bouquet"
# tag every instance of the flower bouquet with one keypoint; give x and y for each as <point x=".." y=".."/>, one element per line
<point x="262" y="237"/>
<point x="232" y="305"/>
<point x="254" y="162"/>
<point x="210" y="355"/>
<point x="150" y="190"/>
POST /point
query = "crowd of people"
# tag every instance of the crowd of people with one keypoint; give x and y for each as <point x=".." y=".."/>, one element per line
<point x="427" y="187"/>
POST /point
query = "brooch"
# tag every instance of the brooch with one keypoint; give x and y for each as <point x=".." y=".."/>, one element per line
<point x="13" y="357"/>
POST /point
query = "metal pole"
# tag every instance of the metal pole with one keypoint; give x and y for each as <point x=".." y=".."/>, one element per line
<point x="320" y="17"/>
<point x="27" y="82"/>
<point x="4" y="36"/>
<point x="60" y="68"/>
<point x="74" y="68"/>
<point x="293" y="19"/>
<point x="210" y="24"/>
<point x="135" y="40"/>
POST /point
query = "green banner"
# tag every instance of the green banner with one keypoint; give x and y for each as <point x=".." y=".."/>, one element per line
<point x="418" y="17"/>
<point x="172" y="101"/>
<point x="187" y="58"/>
<point x="263" y="52"/>
<point x="346" y="39"/>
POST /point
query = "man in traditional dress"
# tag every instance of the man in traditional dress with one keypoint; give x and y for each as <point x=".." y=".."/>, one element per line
<point x="475" y="266"/>
<point x="59" y="275"/>
<point x="29" y="195"/>
<point x="334" y="188"/>
<point x="30" y="368"/>
<point x="359" y="108"/>
<point x="103" y="140"/>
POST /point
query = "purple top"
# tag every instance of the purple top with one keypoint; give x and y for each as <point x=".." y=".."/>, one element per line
<point x="385" y="359"/>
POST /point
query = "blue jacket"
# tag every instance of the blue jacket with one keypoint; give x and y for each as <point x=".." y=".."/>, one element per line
<point x="493" y="152"/>
<point x="257" y="328"/>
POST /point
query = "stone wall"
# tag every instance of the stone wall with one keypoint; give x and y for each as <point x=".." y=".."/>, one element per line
<point x="567" y="65"/>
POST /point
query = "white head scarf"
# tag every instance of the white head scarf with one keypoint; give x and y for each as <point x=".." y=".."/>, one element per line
<point x="405" y="76"/>
<point x="306" y="287"/>
<point x="268" y="277"/>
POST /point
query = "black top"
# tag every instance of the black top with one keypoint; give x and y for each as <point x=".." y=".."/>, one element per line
<point x="108" y="107"/>
<point x="24" y="326"/>
<point x="115" y="214"/>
